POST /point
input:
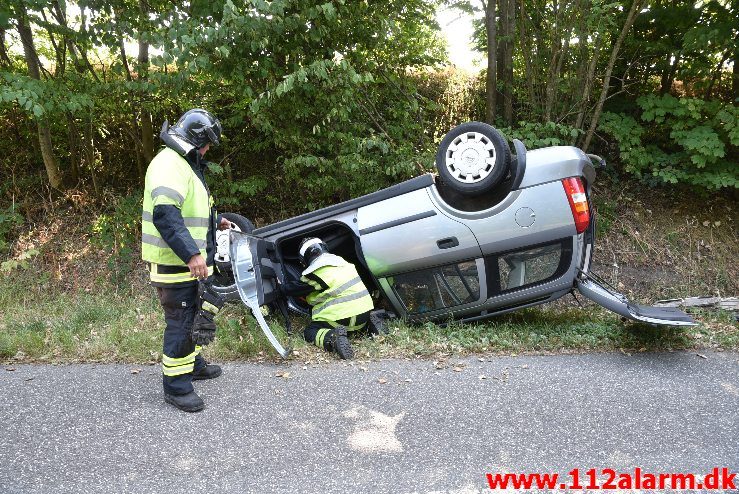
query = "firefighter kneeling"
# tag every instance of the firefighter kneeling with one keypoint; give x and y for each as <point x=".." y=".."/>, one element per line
<point x="341" y="302"/>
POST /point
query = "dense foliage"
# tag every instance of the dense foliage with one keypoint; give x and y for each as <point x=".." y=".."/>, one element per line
<point x="321" y="101"/>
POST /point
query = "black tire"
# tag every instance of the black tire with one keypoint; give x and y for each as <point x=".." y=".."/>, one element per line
<point x="480" y="175"/>
<point x="244" y="224"/>
<point x="223" y="279"/>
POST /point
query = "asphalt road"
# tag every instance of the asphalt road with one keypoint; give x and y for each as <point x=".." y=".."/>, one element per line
<point x="390" y="426"/>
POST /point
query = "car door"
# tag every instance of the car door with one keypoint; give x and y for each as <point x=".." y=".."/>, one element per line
<point x="255" y="274"/>
<point x="598" y="291"/>
<point x="427" y="263"/>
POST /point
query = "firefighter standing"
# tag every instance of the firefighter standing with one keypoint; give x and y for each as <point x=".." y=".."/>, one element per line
<point x="178" y="242"/>
<point x="340" y="300"/>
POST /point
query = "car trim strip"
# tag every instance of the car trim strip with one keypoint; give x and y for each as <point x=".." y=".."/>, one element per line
<point x="417" y="183"/>
<point x="400" y="221"/>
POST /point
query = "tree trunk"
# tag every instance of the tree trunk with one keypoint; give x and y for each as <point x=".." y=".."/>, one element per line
<point x="716" y="74"/>
<point x="44" y="134"/>
<point x="89" y="150"/>
<point x="74" y="149"/>
<point x="491" y="83"/>
<point x="4" y="58"/>
<point x="505" y="61"/>
<point x="630" y="18"/>
<point x="147" y="127"/>
<point x="526" y="51"/>
<point x="587" y="86"/>
<point x="735" y="75"/>
<point x="668" y="75"/>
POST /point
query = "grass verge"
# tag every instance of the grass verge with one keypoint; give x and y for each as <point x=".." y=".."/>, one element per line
<point x="127" y="327"/>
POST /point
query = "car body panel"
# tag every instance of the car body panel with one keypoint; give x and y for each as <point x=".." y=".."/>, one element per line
<point x="619" y="304"/>
<point x="555" y="163"/>
<point x="390" y="247"/>
<point x="329" y="212"/>
<point x="432" y="261"/>
<point x="501" y="229"/>
<point x="255" y="283"/>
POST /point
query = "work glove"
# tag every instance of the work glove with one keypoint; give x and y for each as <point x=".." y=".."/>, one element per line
<point x="203" y="329"/>
<point x="376" y="324"/>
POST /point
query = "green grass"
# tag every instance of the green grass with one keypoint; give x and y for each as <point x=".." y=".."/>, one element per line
<point x="127" y="327"/>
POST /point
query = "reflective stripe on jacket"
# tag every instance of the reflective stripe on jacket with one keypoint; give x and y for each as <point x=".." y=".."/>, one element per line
<point x="340" y="293"/>
<point x="170" y="180"/>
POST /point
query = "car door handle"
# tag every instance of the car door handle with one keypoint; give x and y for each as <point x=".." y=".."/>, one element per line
<point x="447" y="243"/>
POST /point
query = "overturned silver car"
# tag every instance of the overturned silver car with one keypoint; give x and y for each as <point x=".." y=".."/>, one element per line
<point x="491" y="233"/>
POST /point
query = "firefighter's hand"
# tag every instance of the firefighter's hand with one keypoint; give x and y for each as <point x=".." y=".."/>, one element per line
<point x="225" y="224"/>
<point x="198" y="268"/>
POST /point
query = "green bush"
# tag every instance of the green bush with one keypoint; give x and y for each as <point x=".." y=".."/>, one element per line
<point x="117" y="231"/>
<point x="679" y="140"/>
<point x="537" y="135"/>
<point x="9" y="219"/>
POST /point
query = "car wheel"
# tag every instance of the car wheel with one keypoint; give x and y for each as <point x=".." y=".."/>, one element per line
<point x="473" y="158"/>
<point x="223" y="279"/>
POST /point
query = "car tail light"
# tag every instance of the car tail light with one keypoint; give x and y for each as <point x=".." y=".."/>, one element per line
<point x="578" y="202"/>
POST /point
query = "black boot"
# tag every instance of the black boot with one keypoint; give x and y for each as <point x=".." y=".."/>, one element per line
<point x="338" y="341"/>
<point x="189" y="402"/>
<point x="210" y="371"/>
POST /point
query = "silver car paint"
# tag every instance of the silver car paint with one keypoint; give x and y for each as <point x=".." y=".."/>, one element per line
<point x="555" y="163"/>
<point x="617" y="303"/>
<point x="413" y="245"/>
<point x="497" y="230"/>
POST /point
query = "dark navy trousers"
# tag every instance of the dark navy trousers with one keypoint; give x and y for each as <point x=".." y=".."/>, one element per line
<point x="180" y="355"/>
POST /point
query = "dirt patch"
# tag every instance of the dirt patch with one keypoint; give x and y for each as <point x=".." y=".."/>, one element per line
<point x="654" y="244"/>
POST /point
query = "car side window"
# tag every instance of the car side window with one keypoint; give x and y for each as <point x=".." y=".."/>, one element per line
<point x="438" y="288"/>
<point x="527" y="267"/>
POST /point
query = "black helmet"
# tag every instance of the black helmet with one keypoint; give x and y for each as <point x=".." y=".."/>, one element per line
<point x="310" y="248"/>
<point x="197" y="127"/>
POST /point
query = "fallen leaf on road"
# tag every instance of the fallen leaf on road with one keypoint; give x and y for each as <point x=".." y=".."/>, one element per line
<point x="10" y="369"/>
<point x="480" y="359"/>
<point x="283" y="374"/>
<point x="382" y="380"/>
<point x="458" y="369"/>
<point x="305" y="367"/>
<point x="701" y="355"/>
<point x="407" y="381"/>
<point x="135" y="371"/>
<point x="482" y="376"/>
<point x="524" y="366"/>
<point x="625" y="352"/>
